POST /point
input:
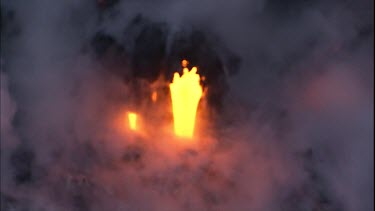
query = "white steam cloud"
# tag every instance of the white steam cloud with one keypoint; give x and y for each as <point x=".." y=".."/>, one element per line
<point x="295" y="133"/>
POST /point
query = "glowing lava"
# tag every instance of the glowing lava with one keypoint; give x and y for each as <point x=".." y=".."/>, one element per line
<point x="132" y="117"/>
<point x="154" y="96"/>
<point x="186" y="92"/>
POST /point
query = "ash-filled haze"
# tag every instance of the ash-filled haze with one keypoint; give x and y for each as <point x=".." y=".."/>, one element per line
<point x="285" y="124"/>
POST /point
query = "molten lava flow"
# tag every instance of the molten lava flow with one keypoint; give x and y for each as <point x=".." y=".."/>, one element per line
<point x="132" y="117"/>
<point x="186" y="92"/>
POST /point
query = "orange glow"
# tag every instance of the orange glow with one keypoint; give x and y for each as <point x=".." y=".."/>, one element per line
<point x="132" y="117"/>
<point x="184" y="63"/>
<point x="154" y="96"/>
<point x="186" y="92"/>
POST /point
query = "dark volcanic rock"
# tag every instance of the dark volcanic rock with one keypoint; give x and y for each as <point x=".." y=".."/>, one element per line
<point x="22" y="162"/>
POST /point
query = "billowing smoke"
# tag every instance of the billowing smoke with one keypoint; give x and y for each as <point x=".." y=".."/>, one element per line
<point x="288" y="116"/>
